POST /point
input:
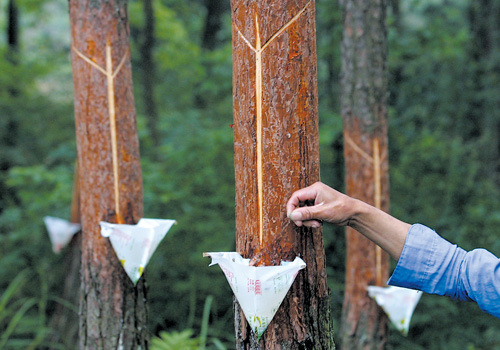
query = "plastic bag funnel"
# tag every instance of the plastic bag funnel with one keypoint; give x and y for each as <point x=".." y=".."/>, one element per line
<point x="259" y="289"/>
<point x="398" y="303"/>
<point x="60" y="232"/>
<point x="134" y="245"/>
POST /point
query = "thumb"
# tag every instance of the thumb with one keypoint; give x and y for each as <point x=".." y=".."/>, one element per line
<point x="306" y="213"/>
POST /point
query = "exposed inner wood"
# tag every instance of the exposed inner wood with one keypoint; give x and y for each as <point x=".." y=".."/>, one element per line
<point x="258" y="97"/>
<point x="375" y="160"/>
<point x="112" y="123"/>
<point x="258" y="49"/>
<point x="358" y="149"/>
<point x="378" y="204"/>
<point x="110" y="76"/>
<point x="282" y="29"/>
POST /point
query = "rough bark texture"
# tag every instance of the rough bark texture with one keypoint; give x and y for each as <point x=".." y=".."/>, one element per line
<point x="112" y="310"/>
<point x="64" y="322"/>
<point x="277" y="152"/>
<point x="364" y="90"/>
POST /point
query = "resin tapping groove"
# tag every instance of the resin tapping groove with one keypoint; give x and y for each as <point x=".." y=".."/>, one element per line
<point x="110" y="77"/>
<point x="376" y="161"/>
<point x="378" y="204"/>
<point x="258" y="49"/>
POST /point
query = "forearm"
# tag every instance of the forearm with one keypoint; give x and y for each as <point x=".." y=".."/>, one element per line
<point x="433" y="265"/>
<point x="383" y="229"/>
<point x="340" y="209"/>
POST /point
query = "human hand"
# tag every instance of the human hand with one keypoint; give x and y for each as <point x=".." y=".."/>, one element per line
<point x="329" y="205"/>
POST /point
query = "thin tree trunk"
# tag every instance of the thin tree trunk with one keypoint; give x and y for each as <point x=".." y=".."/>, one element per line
<point x="12" y="30"/>
<point x="64" y="322"/>
<point x="112" y="309"/>
<point x="364" y="111"/>
<point x="148" y="65"/>
<point x="277" y="152"/>
<point x="213" y="22"/>
<point x="484" y="16"/>
<point x="9" y="136"/>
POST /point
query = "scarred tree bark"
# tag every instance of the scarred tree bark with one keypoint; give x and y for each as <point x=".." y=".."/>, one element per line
<point x="277" y="152"/>
<point x="364" y="111"/>
<point x="112" y="310"/>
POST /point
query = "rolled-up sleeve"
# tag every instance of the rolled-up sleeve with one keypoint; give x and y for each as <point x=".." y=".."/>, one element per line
<point x="433" y="265"/>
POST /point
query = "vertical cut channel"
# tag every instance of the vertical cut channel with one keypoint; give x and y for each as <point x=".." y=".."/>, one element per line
<point x="378" y="205"/>
<point x="112" y="124"/>
<point x="258" y="49"/>
<point x="258" y="96"/>
<point x="110" y="78"/>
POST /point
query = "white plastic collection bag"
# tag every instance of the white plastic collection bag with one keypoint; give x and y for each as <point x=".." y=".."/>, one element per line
<point x="398" y="303"/>
<point x="259" y="289"/>
<point x="60" y="232"/>
<point x="135" y="244"/>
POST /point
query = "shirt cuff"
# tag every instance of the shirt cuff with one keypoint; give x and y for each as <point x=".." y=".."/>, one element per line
<point x="417" y="260"/>
<point x="433" y="265"/>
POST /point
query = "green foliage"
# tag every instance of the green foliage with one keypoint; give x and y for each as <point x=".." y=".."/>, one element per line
<point x="444" y="150"/>
<point x="175" y="340"/>
<point x="185" y="340"/>
<point x="23" y="323"/>
<point x="443" y="157"/>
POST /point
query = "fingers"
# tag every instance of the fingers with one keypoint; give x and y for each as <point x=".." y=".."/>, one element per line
<point x="329" y="205"/>
<point x="312" y="223"/>
<point x="307" y="216"/>
<point x="305" y="194"/>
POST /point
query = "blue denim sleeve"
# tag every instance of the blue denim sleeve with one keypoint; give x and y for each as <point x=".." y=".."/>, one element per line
<point x="433" y="265"/>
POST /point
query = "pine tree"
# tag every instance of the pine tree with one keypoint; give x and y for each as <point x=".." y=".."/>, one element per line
<point x="112" y="309"/>
<point x="364" y="112"/>
<point x="277" y="152"/>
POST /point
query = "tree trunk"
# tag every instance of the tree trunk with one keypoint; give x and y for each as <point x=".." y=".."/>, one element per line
<point x="64" y="322"/>
<point x="148" y="65"/>
<point x="364" y="111"/>
<point x="484" y="16"/>
<point x="12" y="31"/>
<point x="213" y="23"/>
<point x="112" y="310"/>
<point x="9" y="136"/>
<point x="277" y="152"/>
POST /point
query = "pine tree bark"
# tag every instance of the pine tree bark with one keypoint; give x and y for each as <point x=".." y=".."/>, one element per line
<point x="277" y="152"/>
<point x="364" y="111"/>
<point x="112" y="309"/>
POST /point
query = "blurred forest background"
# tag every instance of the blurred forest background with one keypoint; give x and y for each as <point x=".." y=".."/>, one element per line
<point x="444" y="138"/>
